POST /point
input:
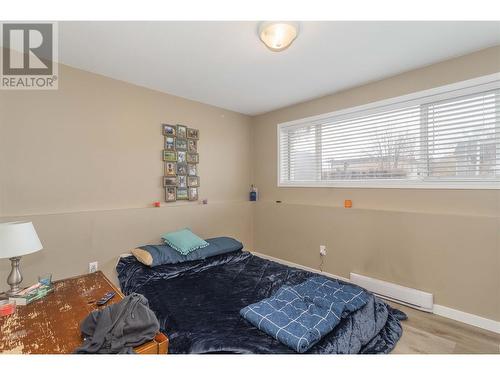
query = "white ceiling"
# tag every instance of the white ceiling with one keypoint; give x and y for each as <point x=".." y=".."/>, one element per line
<point x="225" y="64"/>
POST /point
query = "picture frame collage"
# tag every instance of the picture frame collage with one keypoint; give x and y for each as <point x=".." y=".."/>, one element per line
<point x="180" y="155"/>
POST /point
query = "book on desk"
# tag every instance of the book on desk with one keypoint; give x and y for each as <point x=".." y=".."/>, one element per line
<point x="51" y="325"/>
<point x="31" y="294"/>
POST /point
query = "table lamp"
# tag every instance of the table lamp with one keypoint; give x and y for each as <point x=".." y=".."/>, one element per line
<point x="17" y="239"/>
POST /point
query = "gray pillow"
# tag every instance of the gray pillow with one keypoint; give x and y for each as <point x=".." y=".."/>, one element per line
<point x="154" y="255"/>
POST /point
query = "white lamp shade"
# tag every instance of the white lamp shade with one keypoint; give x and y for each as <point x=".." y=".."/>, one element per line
<point x="18" y="238"/>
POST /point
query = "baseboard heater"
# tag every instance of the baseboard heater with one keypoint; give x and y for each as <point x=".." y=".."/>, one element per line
<point x="394" y="292"/>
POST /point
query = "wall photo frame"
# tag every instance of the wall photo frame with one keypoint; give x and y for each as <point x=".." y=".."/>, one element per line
<point x="170" y="155"/>
<point x="169" y="130"/>
<point x="181" y="144"/>
<point x="193" y="194"/>
<point x="182" y="169"/>
<point x="192" y="170"/>
<point x="181" y="159"/>
<point x="170" y="181"/>
<point x="170" y="194"/>
<point x="182" y="194"/>
<point x="193" y="181"/>
<point x="192" y="146"/>
<point x="193" y="133"/>
<point x="181" y="131"/>
<point x="169" y="143"/>
<point x="181" y="156"/>
<point x="170" y="169"/>
<point x="182" y="181"/>
<point x="193" y="158"/>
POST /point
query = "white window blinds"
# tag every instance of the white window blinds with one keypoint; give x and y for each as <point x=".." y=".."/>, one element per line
<point x="452" y="140"/>
<point x="463" y="137"/>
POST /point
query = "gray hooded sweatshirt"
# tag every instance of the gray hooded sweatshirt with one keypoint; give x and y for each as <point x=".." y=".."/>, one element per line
<point x="118" y="328"/>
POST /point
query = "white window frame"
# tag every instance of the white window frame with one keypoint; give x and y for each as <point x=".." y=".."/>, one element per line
<point x="471" y="86"/>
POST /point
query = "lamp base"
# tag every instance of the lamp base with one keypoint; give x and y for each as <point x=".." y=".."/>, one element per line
<point x="15" y="278"/>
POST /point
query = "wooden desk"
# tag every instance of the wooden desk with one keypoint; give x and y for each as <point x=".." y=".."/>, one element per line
<point x="52" y="324"/>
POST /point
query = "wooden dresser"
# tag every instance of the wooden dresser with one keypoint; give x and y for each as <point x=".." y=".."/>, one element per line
<point x="51" y="325"/>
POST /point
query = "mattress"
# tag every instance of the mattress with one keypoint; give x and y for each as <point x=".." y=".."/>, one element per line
<point x="197" y="304"/>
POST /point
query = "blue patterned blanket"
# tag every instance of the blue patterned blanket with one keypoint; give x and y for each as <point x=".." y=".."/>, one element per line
<point x="299" y="316"/>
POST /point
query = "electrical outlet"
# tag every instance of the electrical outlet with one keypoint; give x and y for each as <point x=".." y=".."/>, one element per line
<point x="93" y="267"/>
<point x="322" y="250"/>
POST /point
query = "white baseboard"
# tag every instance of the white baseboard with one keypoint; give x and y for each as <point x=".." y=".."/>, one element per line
<point x="447" y="312"/>
<point x="291" y="264"/>
<point x="411" y="297"/>
<point x="464" y="317"/>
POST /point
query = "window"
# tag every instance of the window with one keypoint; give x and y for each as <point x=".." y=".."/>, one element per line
<point x="447" y="137"/>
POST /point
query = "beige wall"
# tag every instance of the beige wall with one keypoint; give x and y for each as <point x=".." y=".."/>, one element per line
<point x="446" y="242"/>
<point x="84" y="164"/>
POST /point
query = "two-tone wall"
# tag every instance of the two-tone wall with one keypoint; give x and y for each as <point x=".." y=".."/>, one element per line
<point x="446" y="242"/>
<point x="84" y="163"/>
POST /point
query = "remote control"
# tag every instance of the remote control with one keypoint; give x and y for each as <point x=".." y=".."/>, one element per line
<point x="105" y="298"/>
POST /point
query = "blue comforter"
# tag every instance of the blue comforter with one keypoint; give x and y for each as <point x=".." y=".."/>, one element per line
<point x="197" y="304"/>
<point x="300" y="315"/>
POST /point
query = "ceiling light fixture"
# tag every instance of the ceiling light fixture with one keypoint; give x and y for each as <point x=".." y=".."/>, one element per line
<point x="278" y="36"/>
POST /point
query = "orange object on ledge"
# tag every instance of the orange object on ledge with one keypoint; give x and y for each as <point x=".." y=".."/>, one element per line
<point x="348" y="203"/>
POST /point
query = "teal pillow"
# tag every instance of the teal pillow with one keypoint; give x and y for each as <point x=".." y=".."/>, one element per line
<point x="184" y="241"/>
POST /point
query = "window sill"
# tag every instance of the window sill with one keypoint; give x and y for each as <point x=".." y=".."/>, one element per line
<point x="469" y="185"/>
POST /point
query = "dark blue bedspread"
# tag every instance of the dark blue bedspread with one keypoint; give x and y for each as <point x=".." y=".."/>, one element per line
<point x="197" y="304"/>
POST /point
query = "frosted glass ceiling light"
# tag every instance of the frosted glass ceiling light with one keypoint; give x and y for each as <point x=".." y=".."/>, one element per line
<point x="278" y="36"/>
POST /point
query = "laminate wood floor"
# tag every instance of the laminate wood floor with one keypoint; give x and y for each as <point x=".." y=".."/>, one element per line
<point x="426" y="333"/>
